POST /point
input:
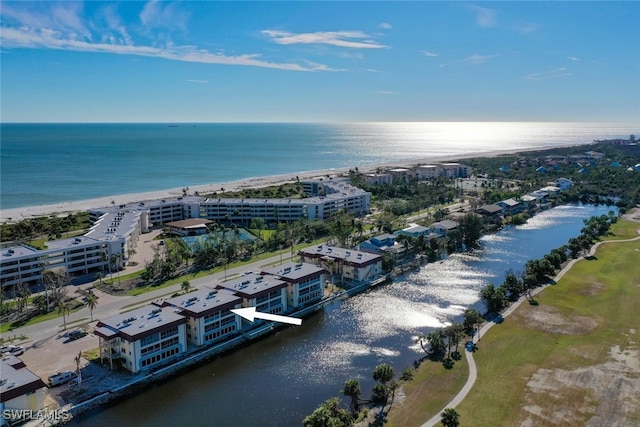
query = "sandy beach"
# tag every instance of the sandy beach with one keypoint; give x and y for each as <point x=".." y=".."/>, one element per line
<point x="17" y="214"/>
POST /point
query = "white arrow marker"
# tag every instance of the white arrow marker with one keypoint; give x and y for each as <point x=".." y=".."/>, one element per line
<point x="250" y="314"/>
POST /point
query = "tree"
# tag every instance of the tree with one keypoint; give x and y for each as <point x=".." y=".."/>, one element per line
<point x="63" y="310"/>
<point x="472" y="317"/>
<point x="450" y="418"/>
<point x="91" y="301"/>
<point x="78" y="359"/>
<point x="186" y="286"/>
<point x="493" y="298"/>
<point x="384" y="374"/>
<point x="329" y="414"/>
<point x="352" y="390"/>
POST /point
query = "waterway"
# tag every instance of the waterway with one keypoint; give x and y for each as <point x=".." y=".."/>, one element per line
<point x="278" y="380"/>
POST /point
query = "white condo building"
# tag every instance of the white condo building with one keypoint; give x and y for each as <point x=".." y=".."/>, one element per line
<point x="142" y="339"/>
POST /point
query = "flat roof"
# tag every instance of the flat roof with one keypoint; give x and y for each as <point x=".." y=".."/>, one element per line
<point x="204" y="301"/>
<point x="252" y="285"/>
<point x="445" y="224"/>
<point x="143" y="321"/>
<point x="17" y="251"/>
<point x="295" y="271"/>
<point x="16" y="379"/>
<point x="189" y="223"/>
<point x="149" y="204"/>
<point x="350" y="255"/>
<point x="71" y="242"/>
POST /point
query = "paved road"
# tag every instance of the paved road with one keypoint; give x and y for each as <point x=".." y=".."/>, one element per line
<point x="109" y="305"/>
<point x="473" y="372"/>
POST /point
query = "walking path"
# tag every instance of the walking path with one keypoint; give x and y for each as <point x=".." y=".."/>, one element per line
<point x="473" y="371"/>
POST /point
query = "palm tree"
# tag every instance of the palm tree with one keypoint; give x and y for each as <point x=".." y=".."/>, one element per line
<point x="383" y="373"/>
<point x="63" y="309"/>
<point x="186" y="286"/>
<point x="78" y="359"/>
<point x="91" y="302"/>
<point x="352" y="389"/>
<point x="450" y="418"/>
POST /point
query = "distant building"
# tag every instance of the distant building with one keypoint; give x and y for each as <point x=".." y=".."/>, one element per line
<point x="413" y="230"/>
<point x="189" y="227"/>
<point x="491" y="213"/>
<point x="444" y="227"/>
<point x="377" y="178"/>
<point x="564" y="183"/>
<point x="510" y="206"/>
<point x="354" y="265"/>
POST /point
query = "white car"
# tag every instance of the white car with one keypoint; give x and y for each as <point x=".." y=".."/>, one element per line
<point x="15" y="350"/>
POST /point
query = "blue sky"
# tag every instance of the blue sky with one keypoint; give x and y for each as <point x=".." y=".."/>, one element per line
<point x="203" y="61"/>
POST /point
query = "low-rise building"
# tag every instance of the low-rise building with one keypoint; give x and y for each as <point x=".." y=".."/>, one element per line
<point x="444" y="227"/>
<point x="305" y="282"/>
<point x="268" y="294"/>
<point x="20" y="389"/>
<point x="189" y="227"/>
<point x="208" y="313"/>
<point x="353" y="265"/>
<point x="491" y="213"/>
<point x="144" y="338"/>
<point x="564" y="183"/>
<point x="413" y="230"/>
<point x="511" y="207"/>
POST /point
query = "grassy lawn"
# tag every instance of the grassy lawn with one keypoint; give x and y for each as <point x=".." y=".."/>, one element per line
<point x="572" y="330"/>
<point x="432" y="387"/>
<point x="6" y="327"/>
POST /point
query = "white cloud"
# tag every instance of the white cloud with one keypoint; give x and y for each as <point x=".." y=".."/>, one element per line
<point x="573" y="58"/>
<point x="427" y="53"/>
<point x="485" y="17"/>
<point x="384" y="92"/>
<point x="205" y="82"/>
<point x="51" y="39"/>
<point x="471" y="60"/>
<point x="350" y="39"/>
<point x="61" y="26"/>
<point x="164" y="15"/>
<point x="547" y="75"/>
<point x="385" y="26"/>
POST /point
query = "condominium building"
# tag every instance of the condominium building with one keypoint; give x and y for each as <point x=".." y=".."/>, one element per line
<point x="305" y="282"/>
<point x="208" y="313"/>
<point x="354" y="265"/>
<point x="20" y="389"/>
<point x="106" y="245"/>
<point x="158" y="211"/>
<point x="267" y="294"/>
<point x="144" y="338"/>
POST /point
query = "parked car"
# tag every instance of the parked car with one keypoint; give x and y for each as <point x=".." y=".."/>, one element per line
<point x="15" y="350"/>
<point x="77" y="334"/>
<point x="60" y="378"/>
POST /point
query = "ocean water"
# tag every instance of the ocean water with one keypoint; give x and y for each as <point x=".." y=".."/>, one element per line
<point x="44" y="164"/>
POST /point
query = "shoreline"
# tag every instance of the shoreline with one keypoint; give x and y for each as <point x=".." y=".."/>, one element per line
<point x="65" y="208"/>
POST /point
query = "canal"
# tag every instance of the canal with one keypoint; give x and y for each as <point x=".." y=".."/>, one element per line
<point x="280" y="379"/>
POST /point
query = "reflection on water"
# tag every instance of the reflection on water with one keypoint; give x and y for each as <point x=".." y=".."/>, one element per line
<point x="280" y="379"/>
